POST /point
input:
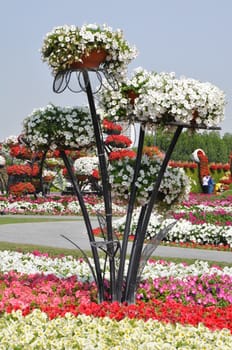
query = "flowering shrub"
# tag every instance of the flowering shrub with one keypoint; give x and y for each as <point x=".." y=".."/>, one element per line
<point x="65" y="45"/>
<point x="58" y="127"/>
<point x="67" y="331"/>
<point x="185" y="165"/>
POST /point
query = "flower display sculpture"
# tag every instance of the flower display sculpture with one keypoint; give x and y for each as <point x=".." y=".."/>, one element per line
<point x="58" y="127"/>
<point x="66" y="45"/>
<point x="148" y="98"/>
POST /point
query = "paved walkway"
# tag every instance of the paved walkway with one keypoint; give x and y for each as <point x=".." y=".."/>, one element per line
<point x="49" y="234"/>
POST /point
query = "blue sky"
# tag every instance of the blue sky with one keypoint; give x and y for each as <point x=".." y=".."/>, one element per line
<point x="188" y="37"/>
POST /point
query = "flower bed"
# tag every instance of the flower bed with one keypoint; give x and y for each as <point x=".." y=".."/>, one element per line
<point x="51" y="302"/>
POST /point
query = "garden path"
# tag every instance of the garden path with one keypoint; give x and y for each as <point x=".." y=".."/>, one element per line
<point x="49" y="234"/>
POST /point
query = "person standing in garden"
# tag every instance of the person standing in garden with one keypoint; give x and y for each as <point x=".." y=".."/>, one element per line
<point x="205" y="183"/>
<point x="211" y="185"/>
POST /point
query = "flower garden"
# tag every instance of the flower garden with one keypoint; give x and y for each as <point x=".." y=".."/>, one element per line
<point x="52" y="301"/>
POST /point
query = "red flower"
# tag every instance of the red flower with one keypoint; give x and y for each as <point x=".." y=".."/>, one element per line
<point x="110" y="127"/>
<point x="20" y="151"/>
<point x="118" y="141"/>
<point x="120" y="154"/>
<point x="95" y="174"/>
<point x="21" y="188"/>
<point x="19" y="169"/>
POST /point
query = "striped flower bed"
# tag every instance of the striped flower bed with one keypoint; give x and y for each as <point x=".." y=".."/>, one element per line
<point x="51" y="303"/>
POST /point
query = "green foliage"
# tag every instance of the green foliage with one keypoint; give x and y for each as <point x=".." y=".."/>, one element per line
<point x="195" y="183"/>
<point x="216" y="147"/>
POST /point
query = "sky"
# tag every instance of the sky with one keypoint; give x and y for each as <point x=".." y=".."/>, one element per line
<point x="189" y="37"/>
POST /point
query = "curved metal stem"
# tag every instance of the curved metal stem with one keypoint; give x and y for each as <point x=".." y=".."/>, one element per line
<point x="142" y="228"/>
<point x="88" y="225"/>
<point x="130" y="209"/>
<point x="105" y="181"/>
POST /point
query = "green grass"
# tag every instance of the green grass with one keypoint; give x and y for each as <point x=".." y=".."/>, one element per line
<point x="16" y="220"/>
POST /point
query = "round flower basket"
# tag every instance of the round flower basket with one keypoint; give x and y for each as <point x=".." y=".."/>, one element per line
<point x="163" y="99"/>
<point x="111" y="128"/>
<point x="88" y="46"/>
<point x="67" y="128"/>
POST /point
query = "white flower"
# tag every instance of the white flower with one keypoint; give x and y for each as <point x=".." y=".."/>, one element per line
<point x="67" y="44"/>
<point x="161" y="97"/>
<point x="85" y="165"/>
<point x="59" y="127"/>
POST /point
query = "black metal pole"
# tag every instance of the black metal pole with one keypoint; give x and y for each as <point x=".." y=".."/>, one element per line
<point x="130" y="209"/>
<point x="141" y="229"/>
<point x="105" y="181"/>
<point x="88" y="225"/>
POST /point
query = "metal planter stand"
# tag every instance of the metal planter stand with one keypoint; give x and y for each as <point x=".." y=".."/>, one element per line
<point x="122" y="288"/>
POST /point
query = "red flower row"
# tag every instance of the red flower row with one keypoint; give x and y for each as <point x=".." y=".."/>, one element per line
<point x="120" y="154"/>
<point x="176" y="164"/>
<point x="219" y="166"/>
<point x="23" y="169"/>
<point x="170" y="311"/>
<point x="118" y="141"/>
<point x="20" y="151"/>
<point x="21" y="188"/>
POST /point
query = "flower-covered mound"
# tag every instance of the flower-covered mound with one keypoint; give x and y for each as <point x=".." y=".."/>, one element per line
<point x="50" y="302"/>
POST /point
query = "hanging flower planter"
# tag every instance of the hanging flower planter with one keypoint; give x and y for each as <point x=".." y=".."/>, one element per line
<point x="59" y="128"/>
<point x="88" y="46"/>
<point x="93" y="59"/>
<point x="161" y="98"/>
